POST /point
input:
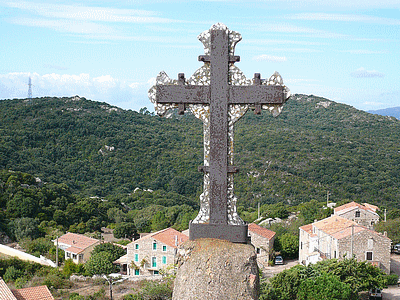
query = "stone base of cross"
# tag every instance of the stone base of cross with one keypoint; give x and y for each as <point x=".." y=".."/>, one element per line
<point x="219" y="94"/>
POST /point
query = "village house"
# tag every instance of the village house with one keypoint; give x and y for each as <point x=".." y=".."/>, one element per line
<point x="76" y="246"/>
<point x="263" y="241"/>
<point x="364" y="214"/>
<point x="31" y="293"/>
<point x="337" y="237"/>
<point x="151" y="253"/>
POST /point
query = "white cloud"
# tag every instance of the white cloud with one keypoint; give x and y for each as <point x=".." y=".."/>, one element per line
<point x="361" y="51"/>
<point x="65" y="25"/>
<point x="128" y="95"/>
<point x="343" y="18"/>
<point x="89" y="13"/>
<point x="266" y="57"/>
<point x="363" y="73"/>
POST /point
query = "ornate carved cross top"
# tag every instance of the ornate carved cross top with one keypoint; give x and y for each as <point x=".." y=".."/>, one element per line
<point x="219" y="94"/>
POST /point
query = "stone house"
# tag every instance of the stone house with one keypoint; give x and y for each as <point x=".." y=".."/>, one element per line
<point x="263" y="241"/>
<point x="364" y="214"/>
<point x="76" y="246"/>
<point x="31" y="293"/>
<point x="151" y="253"/>
<point x="337" y="237"/>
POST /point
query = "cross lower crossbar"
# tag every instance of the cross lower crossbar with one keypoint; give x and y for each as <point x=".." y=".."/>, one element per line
<point x="198" y="94"/>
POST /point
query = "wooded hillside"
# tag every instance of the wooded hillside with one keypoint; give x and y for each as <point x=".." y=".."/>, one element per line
<point x="314" y="146"/>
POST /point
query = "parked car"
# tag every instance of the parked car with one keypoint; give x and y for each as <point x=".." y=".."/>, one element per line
<point x="278" y="260"/>
<point x="375" y="294"/>
<point x="396" y="249"/>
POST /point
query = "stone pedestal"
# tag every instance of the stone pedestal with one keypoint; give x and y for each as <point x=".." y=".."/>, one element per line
<point x="215" y="269"/>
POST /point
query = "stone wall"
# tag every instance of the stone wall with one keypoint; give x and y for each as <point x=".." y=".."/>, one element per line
<point x="262" y="245"/>
<point x="368" y="241"/>
<point x="146" y="253"/>
<point x="360" y="216"/>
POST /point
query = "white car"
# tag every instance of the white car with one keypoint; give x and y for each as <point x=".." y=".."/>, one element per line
<point x="278" y="260"/>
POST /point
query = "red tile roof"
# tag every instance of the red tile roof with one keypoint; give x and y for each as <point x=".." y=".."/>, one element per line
<point x="77" y="242"/>
<point x="353" y="205"/>
<point x="170" y="237"/>
<point x="307" y="228"/>
<point x="264" y="232"/>
<point x="5" y="292"/>
<point x="33" y="293"/>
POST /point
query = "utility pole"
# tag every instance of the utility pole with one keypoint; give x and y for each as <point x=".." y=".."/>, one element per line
<point x="327" y="198"/>
<point x="57" y="252"/>
<point x="385" y="215"/>
<point x="351" y="243"/>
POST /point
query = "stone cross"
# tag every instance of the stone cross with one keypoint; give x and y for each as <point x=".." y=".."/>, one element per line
<point x="218" y="94"/>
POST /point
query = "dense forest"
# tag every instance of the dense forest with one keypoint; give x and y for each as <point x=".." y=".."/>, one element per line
<point x="314" y="146"/>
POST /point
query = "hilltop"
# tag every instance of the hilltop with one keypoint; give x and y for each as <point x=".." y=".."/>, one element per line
<point x="316" y="145"/>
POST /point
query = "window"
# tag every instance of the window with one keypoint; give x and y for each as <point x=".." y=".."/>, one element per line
<point x="301" y="245"/>
<point x="68" y="254"/>
<point x="258" y="250"/>
<point x="73" y="256"/>
<point x="80" y="256"/>
<point x="137" y="246"/>
<point x="164" y="260"/>
<point x="137" y="272"/>
<point x="334" y="254"/>
<point x="369" y="255"/>
<point x="136" y="257"/>
<point x="357" y="214"/>
<point x="154" y="262"/>
<point x="154" y="246"/>
<point x="370" y="243"/>
<point x="164" y="248"/>
<point x="155" y="272"/>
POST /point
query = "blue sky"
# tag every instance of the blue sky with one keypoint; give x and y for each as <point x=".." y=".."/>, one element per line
<point x="111" y="51"/>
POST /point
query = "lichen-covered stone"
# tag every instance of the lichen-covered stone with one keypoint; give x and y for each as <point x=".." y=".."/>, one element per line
<point x="215" y="269"/>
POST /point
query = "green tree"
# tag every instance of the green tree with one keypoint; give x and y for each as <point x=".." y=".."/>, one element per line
<point x="325" y="286"/>
<point x="24" y="228"/>
<point x="114" y="250"/>
<point x="159" y="221"/>
<point x="288" y="245"/>
<point x="125" y="230"/>
<point x="99" y="264"/>
<point x="392" y="227"/>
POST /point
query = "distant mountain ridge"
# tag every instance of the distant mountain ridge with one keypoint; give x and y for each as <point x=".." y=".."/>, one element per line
<point x="316" y="145"/>
<point x="392" y="112"/>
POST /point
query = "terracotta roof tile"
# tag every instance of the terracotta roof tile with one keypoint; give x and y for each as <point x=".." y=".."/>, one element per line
<point x="77" y="242"/>
<point x="5" y="292"/>
<point x="334" y="224"/>
<point x="170" y="237"/>
<point x="353" y="205"/>
<point x="33" y="293"/>
<point x="307" y="228"/>
<point x="264" y="232"/>
<point x="371" y="207"/>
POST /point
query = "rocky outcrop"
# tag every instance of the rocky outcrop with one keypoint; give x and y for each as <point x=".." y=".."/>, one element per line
<point x="216" y="269"/>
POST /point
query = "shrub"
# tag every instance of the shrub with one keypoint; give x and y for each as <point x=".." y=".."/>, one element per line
<point x="12" y="273"/>
<point x="392" y="279"/>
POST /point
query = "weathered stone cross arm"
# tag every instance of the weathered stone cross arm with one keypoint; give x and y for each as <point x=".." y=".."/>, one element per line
<point x="184" y="94"/>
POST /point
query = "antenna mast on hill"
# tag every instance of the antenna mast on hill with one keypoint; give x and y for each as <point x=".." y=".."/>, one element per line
<point x="30" y="90"/>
